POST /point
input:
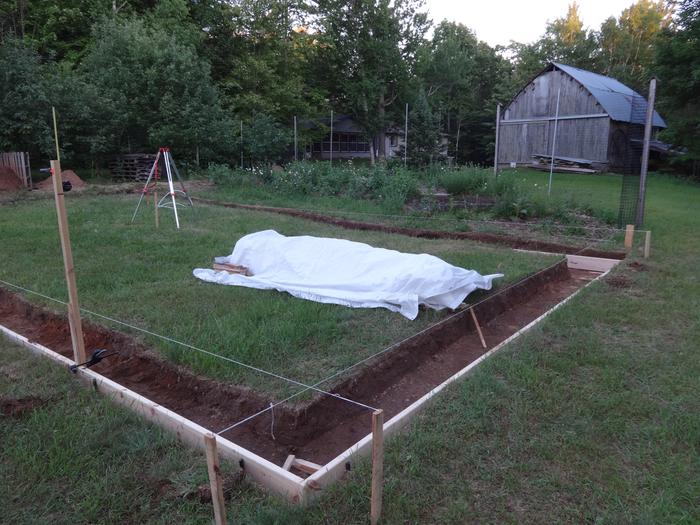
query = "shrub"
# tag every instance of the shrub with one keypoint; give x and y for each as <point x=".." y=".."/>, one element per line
<point x="469" y="181"/>
<point x="398" y="189"/>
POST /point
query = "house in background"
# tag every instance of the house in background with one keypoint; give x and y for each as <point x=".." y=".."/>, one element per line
<point x="600" y="120"/>
<point x="350" y="140"/>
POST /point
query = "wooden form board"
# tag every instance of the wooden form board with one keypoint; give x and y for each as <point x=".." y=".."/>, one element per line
<point x="336" y="468"/>
<point x="259" y="469"/>
<point x="594" y="264"/>
<point x="266" y="473"/>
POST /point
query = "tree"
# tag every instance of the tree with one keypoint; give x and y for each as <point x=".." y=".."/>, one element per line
<point x="677" y="64"/>
<point x="161" y="86"/>
<point x="265" y="141"/>
<point x="565" y="40"/>
<point x="462" y="78"/>
<point x="24" y="102"/>
<point x="423" y="132"/>
<point x="627" y="44"/>
<point x="368" y="52"/>
<point x="261" y="53"/>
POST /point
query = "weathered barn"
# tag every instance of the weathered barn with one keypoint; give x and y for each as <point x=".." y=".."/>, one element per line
<point x="600" y="120"/>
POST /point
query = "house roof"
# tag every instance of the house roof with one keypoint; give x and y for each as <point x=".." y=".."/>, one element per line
<point x="619" y="101"/>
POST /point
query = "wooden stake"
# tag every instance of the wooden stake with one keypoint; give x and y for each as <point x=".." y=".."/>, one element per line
<point x="155" y="201"/>
<point x="478" y="328"/>
<point x="629" y="236"/>
<point x="647" y="244"/>
<point x="76" y="327"/>
<point x="288" y="462"/>
<point x="377" y="465"/>
<point x="215" y="481"/>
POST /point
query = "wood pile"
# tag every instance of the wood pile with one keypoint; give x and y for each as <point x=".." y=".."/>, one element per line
<point x="565" y="164"/>
<point x="132" y="167"/>
<point x="231" y="268"/>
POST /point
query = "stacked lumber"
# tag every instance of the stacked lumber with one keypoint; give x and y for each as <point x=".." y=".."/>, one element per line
<point x="564" y="164"/>
<point x="232" y="268"/>
<point x="132" y="167"/>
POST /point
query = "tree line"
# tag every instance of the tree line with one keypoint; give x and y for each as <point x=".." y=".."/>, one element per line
<point x="131" y="75"/>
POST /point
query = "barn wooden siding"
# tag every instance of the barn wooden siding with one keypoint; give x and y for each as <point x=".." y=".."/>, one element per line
<point x="527" y="124"/>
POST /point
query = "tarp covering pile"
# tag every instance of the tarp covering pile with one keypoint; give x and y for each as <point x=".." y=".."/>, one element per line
<point x="347" y="273"/>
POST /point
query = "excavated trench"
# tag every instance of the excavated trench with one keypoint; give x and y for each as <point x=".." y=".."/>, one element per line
<point x="511" y="241"/>
<point x="323" y="427"/>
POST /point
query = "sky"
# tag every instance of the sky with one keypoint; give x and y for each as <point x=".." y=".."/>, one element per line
<point x="500" y="21"/>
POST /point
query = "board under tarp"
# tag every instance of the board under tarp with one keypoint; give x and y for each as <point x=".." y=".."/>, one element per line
<point x="347" y="273"/>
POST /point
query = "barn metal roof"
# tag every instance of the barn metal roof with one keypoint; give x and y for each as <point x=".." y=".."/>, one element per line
<point x="619" y="101"/>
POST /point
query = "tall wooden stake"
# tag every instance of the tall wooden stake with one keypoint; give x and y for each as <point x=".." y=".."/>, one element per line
<point x="377" y="465"/>
<point x="629" y="236"/>
<point x="478" y="328"/>
<point x="215" y="481"/>
<point x="645" y="154"/>
<point x="498" y="129"/>
<point x="296" y="155"/>
<point x="155" y="201"/>
<point x="76" y="327"/>
<point x="647" y="244"/>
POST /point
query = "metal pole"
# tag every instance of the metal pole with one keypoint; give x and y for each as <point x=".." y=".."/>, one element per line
<point x="645" y="153"/>
<point x="554" y="144"/>
<point x="405" y="138"/>
<point x="495" y="152"/>
<point x="241" y="143"/>
<point x="166" y="160"/>
<point x="295" y="138"/>
<point x="331" y="151"/>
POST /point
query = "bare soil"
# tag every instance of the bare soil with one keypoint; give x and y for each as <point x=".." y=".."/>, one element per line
<point x="66" y="176"/>
<point x="511" y="241"/>
<point x="323" y="427"/>
<point x="9" y="181"/>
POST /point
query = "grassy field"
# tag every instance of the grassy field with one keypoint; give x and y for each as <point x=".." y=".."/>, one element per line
<point x="594" y="416"/>
<point x="143" y="276"/>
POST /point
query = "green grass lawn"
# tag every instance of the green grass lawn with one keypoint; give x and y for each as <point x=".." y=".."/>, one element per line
<point x="143" y="276"/>
<point x="594" y="416"/>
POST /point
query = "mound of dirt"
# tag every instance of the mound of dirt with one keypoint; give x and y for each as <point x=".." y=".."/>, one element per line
<point x="9" y="181"/>
<point x="67" y="175"/>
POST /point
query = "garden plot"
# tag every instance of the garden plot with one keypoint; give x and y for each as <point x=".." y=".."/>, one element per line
<point x="142" y="276"/>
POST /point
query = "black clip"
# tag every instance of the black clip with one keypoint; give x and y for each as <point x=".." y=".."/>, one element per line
<point x="97" y="356"/>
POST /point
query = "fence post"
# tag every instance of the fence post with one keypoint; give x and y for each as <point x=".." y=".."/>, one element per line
<point x="554" y="144"/>
<point x="645" y="154"/>
<point x="498" y="129"/>
<point x="377" y="465"/>
<point x="215" y="482"/>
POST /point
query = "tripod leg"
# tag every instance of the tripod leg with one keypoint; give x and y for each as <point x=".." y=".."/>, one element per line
<point x="145" y="188"/>
<point x="170" y="186"/>
<point x="179" y="179"/>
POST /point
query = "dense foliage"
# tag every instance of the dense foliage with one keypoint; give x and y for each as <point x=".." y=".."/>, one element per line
<point x="136" y="74"/>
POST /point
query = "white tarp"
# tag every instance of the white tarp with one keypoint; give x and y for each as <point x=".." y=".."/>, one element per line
<point x="347" y="273"/>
